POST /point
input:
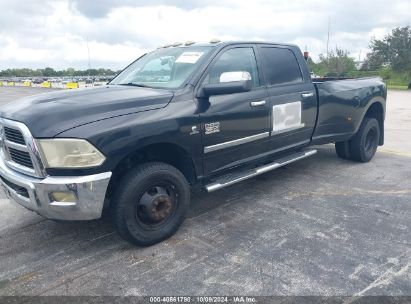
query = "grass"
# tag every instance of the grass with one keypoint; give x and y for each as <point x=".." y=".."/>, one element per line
<point x="396" y="87"/>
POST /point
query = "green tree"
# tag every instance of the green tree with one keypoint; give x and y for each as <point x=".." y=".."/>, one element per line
<point x="317" y="68"/>
<point x="70" y="72"/>
<point x="49" y="72"/>
<point x="393" y="51"/>
<point x="338" y="63"/>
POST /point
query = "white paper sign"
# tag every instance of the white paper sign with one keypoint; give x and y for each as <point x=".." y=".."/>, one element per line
<point x="189" y="57"/>
<point x="287" y="117"/>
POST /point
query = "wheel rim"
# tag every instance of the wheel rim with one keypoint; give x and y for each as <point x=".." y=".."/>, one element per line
<point x="156" y="206"/>
<point x="371" y="141"/>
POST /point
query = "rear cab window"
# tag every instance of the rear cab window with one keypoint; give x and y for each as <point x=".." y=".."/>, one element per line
<point x="280" y="66"/>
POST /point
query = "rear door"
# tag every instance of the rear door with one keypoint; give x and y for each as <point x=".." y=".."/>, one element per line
<point x="235" y="127"/>
<point x="291" y="97"/>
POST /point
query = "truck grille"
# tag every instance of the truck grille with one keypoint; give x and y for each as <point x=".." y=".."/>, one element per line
<point x="21" y="157"/>
<point x="18" y="149"/>
<point x="14" y="135"/>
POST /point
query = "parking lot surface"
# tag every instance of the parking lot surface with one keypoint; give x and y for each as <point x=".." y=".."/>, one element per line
<point x="321" y="226"/>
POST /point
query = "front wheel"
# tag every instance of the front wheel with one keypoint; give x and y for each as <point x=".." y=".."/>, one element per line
<point x="150" y="203"/>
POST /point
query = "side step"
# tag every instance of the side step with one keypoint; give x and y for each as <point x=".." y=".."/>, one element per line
<point x="233" y="178"/>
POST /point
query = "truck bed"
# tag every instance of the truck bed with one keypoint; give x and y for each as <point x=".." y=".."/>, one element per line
<point x="342" y="103"/>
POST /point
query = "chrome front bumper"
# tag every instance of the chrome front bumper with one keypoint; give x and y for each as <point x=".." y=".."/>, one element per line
<point x="35" y="193"/>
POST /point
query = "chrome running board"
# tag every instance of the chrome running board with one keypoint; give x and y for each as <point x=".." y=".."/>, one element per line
<point x="233" y="178"/>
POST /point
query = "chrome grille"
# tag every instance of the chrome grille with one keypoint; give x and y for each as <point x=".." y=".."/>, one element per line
<point x="18" y="148"/>
<point x="14" y="135"/>
<point x="21" y="157"/>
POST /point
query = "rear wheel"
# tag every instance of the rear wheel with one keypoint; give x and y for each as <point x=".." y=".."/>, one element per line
<point x="363" y="145"/>
<point x="365" y="142"/>
<point x="343" y="149"/>
<point x="150" y="203"/>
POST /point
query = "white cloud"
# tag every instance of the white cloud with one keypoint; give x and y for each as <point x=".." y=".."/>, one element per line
<point x="54" y="33"/>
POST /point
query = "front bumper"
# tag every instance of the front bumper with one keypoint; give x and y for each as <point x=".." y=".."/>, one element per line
<point x="35" y="193"/>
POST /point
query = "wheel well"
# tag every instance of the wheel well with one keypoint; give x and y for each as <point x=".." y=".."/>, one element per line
<point x="163" y="152"/>
<point x="376" y="111"/>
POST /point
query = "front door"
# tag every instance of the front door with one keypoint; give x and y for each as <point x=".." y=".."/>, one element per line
<point x="235" y="127"/>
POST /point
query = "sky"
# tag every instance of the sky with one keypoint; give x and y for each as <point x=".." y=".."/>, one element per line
<point x="59" y="33"/>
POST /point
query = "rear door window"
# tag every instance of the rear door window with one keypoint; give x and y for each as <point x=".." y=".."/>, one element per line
<point x="280" y="66"/>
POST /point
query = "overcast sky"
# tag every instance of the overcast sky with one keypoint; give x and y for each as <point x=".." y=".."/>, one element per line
<point x="37" y="34"/>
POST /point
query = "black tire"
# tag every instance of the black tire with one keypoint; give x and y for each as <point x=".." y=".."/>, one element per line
<point x="150" y="203"/>
<point x="365" y="142"/>
<point x="343" y="149"/>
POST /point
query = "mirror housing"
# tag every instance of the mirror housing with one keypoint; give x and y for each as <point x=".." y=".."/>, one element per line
<point x="234" y="76"/>
<point x="230" y="82"/>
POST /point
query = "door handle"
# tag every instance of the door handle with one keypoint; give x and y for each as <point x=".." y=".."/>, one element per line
<point x="308" y="94"/>
<point x="257" y="103"/>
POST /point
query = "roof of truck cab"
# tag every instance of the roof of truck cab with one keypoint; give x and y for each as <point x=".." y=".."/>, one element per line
<point x="256" y="42"/>
<point x="226" y="43"/>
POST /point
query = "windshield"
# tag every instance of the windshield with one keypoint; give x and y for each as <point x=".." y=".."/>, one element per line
<point x="163" y="68"/>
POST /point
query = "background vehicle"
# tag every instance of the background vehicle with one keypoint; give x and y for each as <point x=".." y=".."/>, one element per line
<point x="213" y="114"/>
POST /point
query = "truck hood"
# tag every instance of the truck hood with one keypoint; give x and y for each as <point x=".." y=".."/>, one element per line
<point x="47" y="115"/>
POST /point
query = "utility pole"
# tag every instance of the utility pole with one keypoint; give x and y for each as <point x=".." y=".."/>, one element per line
<point x="328" y="35"/>
<point x="359" y="60"/>
<point x="89" y="63"/>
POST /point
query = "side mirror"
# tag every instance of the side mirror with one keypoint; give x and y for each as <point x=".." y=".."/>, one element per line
<point x="230" y="82"/>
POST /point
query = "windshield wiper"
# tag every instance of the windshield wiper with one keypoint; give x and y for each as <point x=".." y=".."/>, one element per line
<point x="135" y="85"/>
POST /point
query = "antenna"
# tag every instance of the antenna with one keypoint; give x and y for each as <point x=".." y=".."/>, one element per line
<point x="88" y="52"/>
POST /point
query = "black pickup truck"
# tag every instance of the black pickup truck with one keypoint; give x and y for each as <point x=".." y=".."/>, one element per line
<point x="206" y="114"/>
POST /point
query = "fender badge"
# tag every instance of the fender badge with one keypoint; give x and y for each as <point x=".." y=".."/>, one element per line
<point x="213" y="127"/>
<point x="194" y="130"/>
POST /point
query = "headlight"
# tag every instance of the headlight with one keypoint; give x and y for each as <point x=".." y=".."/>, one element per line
<point x="69" y="153"/>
